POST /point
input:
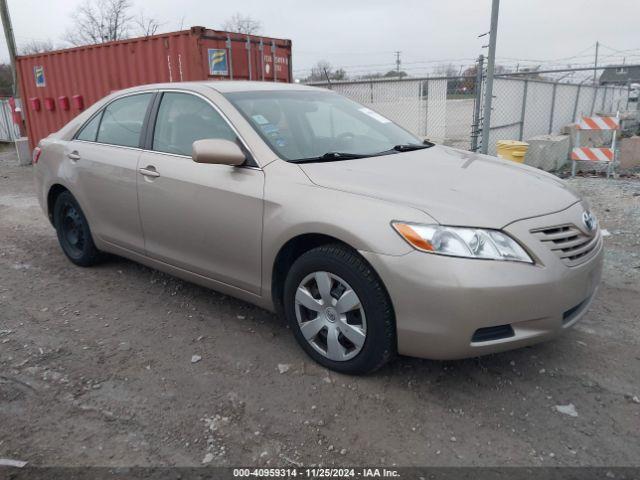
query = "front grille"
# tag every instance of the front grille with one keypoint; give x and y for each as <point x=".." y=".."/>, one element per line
<point x="571" y="244"/>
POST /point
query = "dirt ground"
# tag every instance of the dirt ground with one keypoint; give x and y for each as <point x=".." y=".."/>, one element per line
<point x="96" y="369"/>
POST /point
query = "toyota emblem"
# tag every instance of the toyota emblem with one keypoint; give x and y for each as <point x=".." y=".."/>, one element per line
<point x="589" y="221"/>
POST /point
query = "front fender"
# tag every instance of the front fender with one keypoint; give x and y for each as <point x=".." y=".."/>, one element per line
<point x="294" y="206"/>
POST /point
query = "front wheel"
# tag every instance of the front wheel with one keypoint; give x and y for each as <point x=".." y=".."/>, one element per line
<point x="339" y="310"/>
<point x="73" y="231"/>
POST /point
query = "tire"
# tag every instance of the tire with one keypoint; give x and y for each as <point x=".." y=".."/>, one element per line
<point x="73" y="231"/>
<point x="339" y="270"/>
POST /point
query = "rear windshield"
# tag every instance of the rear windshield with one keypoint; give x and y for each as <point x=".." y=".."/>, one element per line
<point x="301" y="124"/>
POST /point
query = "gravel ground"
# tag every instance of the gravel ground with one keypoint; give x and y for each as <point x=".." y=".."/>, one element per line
<point x="122" y="365"/>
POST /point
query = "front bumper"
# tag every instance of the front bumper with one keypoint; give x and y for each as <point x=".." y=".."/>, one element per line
<point x="441" y="302"/>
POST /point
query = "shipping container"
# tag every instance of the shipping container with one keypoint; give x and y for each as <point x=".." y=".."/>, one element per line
<point x="57" y="85"/>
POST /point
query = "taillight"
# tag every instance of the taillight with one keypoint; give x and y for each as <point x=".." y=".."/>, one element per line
<point x="36" y="155"/>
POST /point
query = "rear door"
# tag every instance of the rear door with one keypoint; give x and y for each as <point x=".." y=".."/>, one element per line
<point x="203" y="218"/>
<point x="104" y="157"/>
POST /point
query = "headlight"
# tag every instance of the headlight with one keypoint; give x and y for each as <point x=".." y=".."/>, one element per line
<point x="462" y="242"/>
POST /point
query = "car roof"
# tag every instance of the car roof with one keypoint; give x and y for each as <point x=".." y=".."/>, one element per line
<point x="224" y="86"/>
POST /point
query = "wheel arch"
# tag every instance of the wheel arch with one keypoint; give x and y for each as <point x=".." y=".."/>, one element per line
<point x="292" y="250"/>
<point x="52" y="195"/>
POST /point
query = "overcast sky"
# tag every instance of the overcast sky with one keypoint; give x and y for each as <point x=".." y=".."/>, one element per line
<point x="361" y="35"/>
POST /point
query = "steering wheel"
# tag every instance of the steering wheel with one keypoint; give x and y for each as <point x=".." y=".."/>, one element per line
<point x="345" y="138"/>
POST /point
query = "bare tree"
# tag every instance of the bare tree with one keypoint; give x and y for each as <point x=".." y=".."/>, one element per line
<point x="6" y="80"/>
<point x="323" y="69"/>
<point x="98" y="21"/>
<point x="445" y="70"/>
<point x="146" y="26"/>
<point x="240" y="23"/>
<point x="35" y="46"/>
<point x="320" y="71"/>
<point x="395" y="74"/>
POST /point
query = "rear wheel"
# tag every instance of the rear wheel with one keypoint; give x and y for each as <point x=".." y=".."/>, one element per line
<point x="73" y="231"/>
<point x="339" y="310"/>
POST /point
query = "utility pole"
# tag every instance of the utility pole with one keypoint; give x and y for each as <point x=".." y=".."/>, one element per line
<point x="595" y="63"/>
<point x="397" y="53"/>
<point x="11" y="44"/>
<point x="488" y="90"/>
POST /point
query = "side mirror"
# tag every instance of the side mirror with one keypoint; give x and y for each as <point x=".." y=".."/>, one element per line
<point x="215" y="151"/>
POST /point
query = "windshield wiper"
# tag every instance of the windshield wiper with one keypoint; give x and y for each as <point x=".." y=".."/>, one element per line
<point x="408" y="147"/>
<point x="331" y="157"/>
<point x="336" y="156"/>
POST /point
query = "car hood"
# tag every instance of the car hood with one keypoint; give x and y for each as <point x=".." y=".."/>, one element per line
<point x="453" y="186"/>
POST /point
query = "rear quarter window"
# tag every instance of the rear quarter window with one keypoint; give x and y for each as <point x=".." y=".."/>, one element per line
<point x="122" y="120"/>
<point x="89" y="131"/>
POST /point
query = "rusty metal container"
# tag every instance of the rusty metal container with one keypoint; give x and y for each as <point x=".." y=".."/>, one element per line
<point x="58" y="85"/>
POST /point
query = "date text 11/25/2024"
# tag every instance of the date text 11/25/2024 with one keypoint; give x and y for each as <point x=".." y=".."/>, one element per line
<point x="315" y="472"/>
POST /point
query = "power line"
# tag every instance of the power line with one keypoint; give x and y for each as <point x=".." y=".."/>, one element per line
<point x="577" y="55"/>
<point x="429" y="66"/>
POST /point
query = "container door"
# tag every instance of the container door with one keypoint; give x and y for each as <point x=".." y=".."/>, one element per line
<point x="206" y="219"/>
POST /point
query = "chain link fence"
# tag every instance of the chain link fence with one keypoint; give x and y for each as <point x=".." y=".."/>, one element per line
<point x="447" y="110"/>
<point x="523" y="108"/>
<point x="440" y="109"/>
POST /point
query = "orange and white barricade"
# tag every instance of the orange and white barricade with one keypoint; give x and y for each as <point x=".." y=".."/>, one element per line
<point x="596" y="154"/>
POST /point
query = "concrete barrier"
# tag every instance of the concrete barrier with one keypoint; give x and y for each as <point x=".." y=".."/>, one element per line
<point x="23" y="151"/>
<point x="630" y="153"/>
<point x="548" y="152"/>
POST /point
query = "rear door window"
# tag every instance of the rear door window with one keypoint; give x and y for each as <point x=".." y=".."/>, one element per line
<point x="183" y="119"/>
<point x="122" y="120"/>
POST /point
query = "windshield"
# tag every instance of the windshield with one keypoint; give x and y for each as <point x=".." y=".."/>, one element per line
<point x="304" y="125"/>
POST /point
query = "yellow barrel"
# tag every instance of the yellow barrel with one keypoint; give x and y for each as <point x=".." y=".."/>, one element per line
<point x="512" y="150"/>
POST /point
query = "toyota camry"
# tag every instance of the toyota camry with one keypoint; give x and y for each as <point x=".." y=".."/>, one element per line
<point x="370" y="240"/>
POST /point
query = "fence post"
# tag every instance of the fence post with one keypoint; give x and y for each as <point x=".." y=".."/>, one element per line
<point x="593" y="102"/>
<point x="523" y="109"/>
<point x="488" y="88"/>
<point x="575" y="105"/>
<point x="604" y="98"/>
<point x="371" y="91"/>
<point x="553" y="107"/>
<point x="424" y="87"/>
<point x="477" y="104"/>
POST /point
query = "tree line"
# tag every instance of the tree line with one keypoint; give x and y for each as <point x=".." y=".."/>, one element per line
<point x="100" y="21"/>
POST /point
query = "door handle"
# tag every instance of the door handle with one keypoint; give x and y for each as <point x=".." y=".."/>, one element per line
<point x="148" y="171"/>
<point x="75" y="156"/>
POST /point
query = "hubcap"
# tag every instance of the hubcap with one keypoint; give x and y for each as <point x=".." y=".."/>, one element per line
<point x="330" y="316"/>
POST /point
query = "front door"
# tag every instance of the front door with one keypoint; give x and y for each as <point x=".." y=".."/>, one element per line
<point x="203" y="218"/>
